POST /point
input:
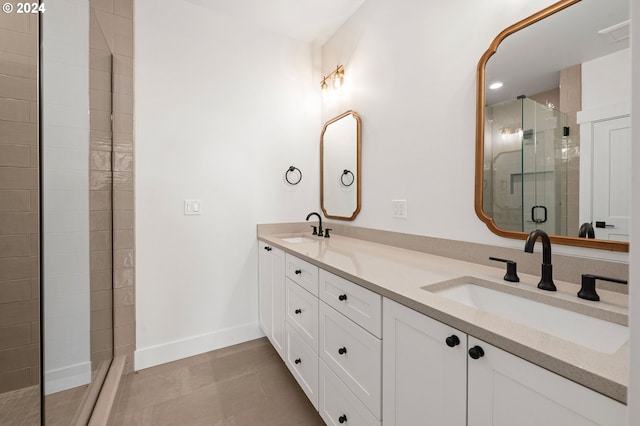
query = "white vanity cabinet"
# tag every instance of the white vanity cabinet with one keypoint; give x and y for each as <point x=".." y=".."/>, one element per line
<point x="505" y="390"/>
<point x="427" y="381"/>
<point x="272" y="295"/>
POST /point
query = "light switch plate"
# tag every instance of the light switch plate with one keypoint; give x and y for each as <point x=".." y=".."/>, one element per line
<point x="399" y="209"/>
<point x="192" y="207"/>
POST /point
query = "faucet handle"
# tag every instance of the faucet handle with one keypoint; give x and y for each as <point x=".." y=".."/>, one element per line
<point x="512" y="269"/>
<point x="326" y="232"/>
<point x="315" y="230"/>
<point x="588" y="288"/>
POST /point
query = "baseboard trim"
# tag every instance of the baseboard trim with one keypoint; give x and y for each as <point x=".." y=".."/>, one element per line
<point x="183" y="348"/>
<point x="67" y="377"/>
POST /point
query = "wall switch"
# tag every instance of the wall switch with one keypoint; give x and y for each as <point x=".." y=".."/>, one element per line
<point x="192" y="207"/>
<point x="399" y="208"/>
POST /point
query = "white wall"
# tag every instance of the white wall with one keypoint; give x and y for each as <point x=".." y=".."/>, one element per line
<point x="222" y="110"/>
<point x="411" y="75"/>
<point x="65" y="169"/>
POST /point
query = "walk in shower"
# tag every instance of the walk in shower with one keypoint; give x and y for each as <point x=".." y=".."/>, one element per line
<point x="56" y="214"/>
<point x="527" y="153"/>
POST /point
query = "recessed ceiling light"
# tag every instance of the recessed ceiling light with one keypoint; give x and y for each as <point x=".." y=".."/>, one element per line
<point x="496" y="85"/>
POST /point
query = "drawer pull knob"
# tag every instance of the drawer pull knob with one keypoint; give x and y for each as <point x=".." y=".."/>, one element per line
<point x="342" y="350"/>
<point x="298" y="361"/>
<point x="298" y="271"/>
<point x="342" y="418"/>
<point x="452" y="341"/>
<point x="342" y="297"/>
<point x="267" y="248"/>
<point x="298" y="311"/>
<point x="476" y="352"/>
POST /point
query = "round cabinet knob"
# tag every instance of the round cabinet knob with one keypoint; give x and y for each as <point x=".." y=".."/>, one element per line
<point x="452" y="341"/>
<point x="342" y="418"/>
<point x="476" y="352"/>
<point x="298" y="361"/>
<point x="342" y="297"/>
<point x="267" y="248"/>
<point x="298" y="271"/>
<point x="342" y="350"/>
<point x="298" y="311"/>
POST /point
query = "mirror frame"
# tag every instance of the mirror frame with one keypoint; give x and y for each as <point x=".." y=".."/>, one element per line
<point x="480" y="117"/>
<point x="358" y="165"/>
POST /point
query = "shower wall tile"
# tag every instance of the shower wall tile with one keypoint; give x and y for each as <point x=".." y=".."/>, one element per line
<point x="104" y="5"/>
<point x="18" y="223"/>
<point x="123" y="220"/>
<point x="18" y="133"/>
<point x="16" y="379"/>
<point x="18" y="178"/>
<point x="124" y="277"/>
<point x="19" y="312"/>
<point x="18" y="88"/>
<point x="15" y="246"/>
<point x="100" y="221"/>
<point x="15" y="291"/>
<point x="15" y="336"/>
<point x="15" y="109"/>
<point x="124" y="8"/>
<point x="17" y="268"/>
<point x="123" y="201"/>
<point x="101" y="280"/>
<point x="15" y="200"/>
<point x="123" y="239"/>
<point x="123" y="258"/>
<point x="124" y="316"/>
<point x="19" y="262"/>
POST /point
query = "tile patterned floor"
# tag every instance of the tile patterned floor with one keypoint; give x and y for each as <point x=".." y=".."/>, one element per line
<point x="20" y="407"/>
<point x="246" y="384"/>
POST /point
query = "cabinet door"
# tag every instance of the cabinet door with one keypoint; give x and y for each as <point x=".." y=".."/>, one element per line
<point x="302" y="313"/>
<point x="424" y="379"/>
<point x="354" y="355"/>
<point x="506" y="390"/>
<point x="272" y="296"/>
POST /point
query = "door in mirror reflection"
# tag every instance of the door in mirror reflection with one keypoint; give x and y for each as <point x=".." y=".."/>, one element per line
<point x="340" y="179"/>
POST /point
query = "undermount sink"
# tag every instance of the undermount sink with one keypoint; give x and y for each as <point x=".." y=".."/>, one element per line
<point x="296" y="240"/>
<point x="585" y="330"/>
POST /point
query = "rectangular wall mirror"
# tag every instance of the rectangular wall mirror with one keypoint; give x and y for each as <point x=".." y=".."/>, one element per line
<point x="340" y="179"/>
<point x="553" y="133"/>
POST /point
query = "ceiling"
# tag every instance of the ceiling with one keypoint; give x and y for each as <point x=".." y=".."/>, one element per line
<point x="312" y="21"/>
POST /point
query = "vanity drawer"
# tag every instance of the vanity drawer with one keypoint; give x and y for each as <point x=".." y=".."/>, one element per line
<point x="303" y="273"/>
<point x="354" y="355"/>
<point x="302" y="361"/>
<point x="302" y="313"/>
<point x="357" y="303"/>
<point x="337" y="402"/>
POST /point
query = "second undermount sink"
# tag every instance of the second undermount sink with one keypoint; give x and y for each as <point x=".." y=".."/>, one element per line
<point x="296" y="240"/>
<point x="563" y="322"/>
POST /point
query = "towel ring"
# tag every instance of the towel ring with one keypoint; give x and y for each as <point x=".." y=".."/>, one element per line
<point x="347" y="173"/>
<point x="290" y="170"/>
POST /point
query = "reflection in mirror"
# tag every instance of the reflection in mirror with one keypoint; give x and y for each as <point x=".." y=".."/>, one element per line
<point x="77" y="194"/>
<point x="340" y="178"/>
<point x="553" y="111"/>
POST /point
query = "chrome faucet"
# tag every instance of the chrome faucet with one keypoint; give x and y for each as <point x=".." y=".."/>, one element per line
<point x="320" y="231"/>
<point x="546" y="281"/>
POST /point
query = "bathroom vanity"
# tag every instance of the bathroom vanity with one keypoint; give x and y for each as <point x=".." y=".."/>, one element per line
<point x="376" y="334"/>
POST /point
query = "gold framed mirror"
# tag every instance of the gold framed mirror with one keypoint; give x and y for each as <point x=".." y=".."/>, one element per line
<point x="340" y="172"/>
<point x="537" y="146"/>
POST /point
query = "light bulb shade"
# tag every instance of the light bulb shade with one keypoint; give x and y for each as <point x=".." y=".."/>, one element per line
<point x="337" y="81"/>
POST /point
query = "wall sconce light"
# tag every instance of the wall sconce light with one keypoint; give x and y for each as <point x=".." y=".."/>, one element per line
<point x="338" y="78"/>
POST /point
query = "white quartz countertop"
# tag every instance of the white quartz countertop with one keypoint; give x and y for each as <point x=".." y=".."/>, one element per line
<point x="400" y="274"/>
